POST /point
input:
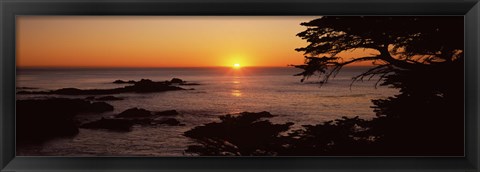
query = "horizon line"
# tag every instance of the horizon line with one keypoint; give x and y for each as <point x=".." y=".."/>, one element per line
<point x="143" y="66"/>
<point x="146" y="67"/>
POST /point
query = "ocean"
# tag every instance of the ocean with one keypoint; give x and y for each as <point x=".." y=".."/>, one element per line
<point x="221" y="91"/>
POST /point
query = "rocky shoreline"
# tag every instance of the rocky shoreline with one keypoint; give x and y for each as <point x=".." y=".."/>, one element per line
<point x="42" y="119"/>
<point x="39" y="120"/>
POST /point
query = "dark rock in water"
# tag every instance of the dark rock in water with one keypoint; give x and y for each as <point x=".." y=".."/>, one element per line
<point x="106" y="98"/>
<point x="90" y="98"/>
<point x="110" y="124"/>
<point x="67" y="91"/>
<point x="177" y="81"/>
<point x="124" y="82"/>
<point x="133" y="82"/>
<point x="142" y="86"/>
<point x="167" y="113"/>
<point x="74" y="91"/>
<point x="145" y="117"/>
<point x="41" y="120"/>
<point x="190" y="84"/>
<point x="135" y="113"/>
<point x="129" y="117"/>
<point x="181" y="82"/>
<point x="172" y="81"/>
<point x="146" y="85"/>
<point x="100" y="107"/>
<point x="169" y="121"/>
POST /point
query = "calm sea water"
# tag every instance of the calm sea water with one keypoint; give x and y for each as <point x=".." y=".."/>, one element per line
<point x="222" y="91"/>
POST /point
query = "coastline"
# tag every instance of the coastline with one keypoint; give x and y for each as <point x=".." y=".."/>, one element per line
<point x="195" y="107"/>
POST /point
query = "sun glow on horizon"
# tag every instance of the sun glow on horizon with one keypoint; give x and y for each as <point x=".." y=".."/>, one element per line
<point x="236" y="66"/>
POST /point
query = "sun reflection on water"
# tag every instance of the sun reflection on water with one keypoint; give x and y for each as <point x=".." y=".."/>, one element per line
<point x="236" y="93"/>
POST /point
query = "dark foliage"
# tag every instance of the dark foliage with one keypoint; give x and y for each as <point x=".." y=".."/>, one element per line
<point x="339" y="137"/>
<point x="421" y="56"/>
<point x="400" y="42"/>
<point x="427" y="117"/>
<point x="243" y="134"/>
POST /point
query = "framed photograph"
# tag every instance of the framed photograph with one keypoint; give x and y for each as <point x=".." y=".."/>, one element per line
<point x="239" y="85"/>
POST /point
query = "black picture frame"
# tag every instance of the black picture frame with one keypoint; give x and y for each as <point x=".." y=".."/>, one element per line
<point x="9" y="9"/>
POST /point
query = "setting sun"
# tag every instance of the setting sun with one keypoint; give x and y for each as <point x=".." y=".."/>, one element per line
<point x="236" y="66"/>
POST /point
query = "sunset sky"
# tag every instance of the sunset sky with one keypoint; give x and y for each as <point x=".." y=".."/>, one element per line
<point x="158" y="41"/>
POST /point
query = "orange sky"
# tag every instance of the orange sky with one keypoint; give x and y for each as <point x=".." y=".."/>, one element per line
<point x="158" y="41"/>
